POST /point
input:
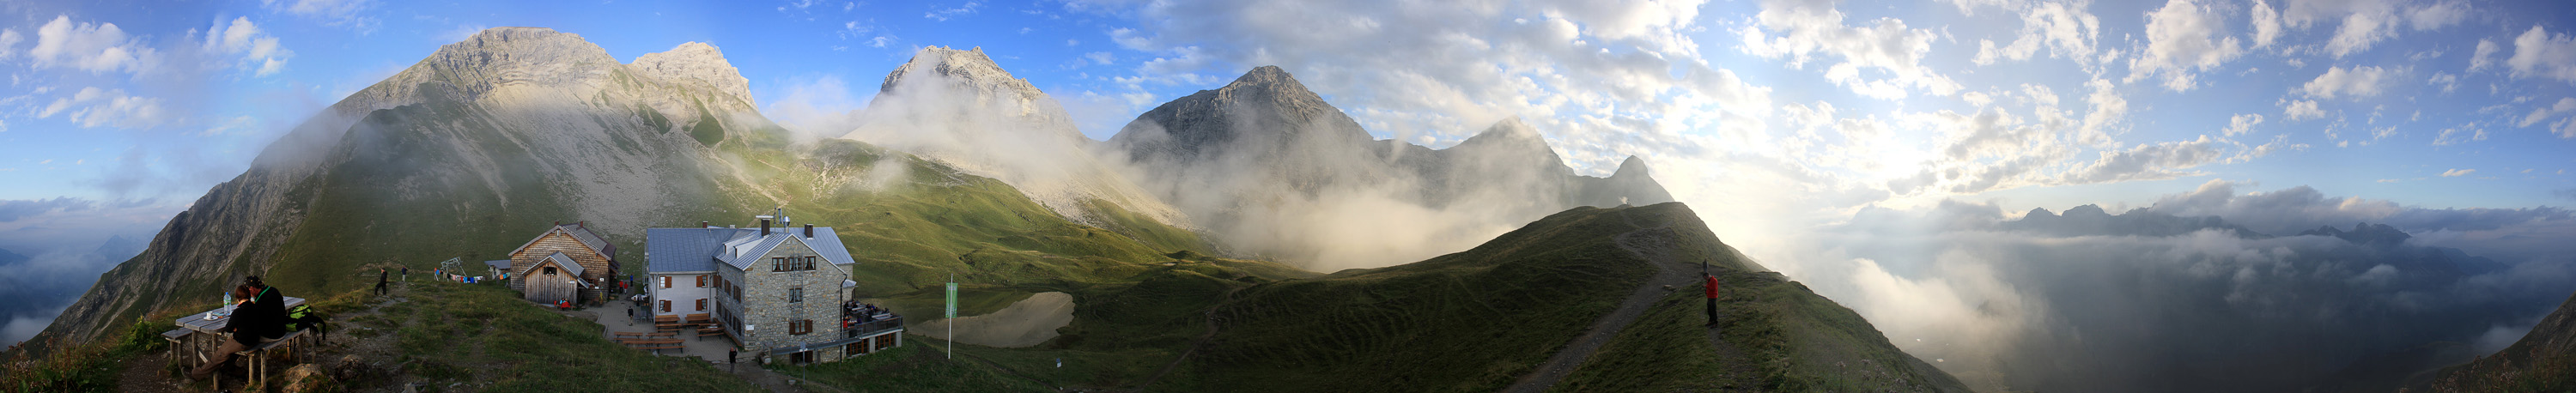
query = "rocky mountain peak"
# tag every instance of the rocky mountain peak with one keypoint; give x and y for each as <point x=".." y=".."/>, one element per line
<point x="699" y="62"/>
<point x="2038" y="212"/>
<point x="506" y="56"/>
<point x="1264" y="110"/>
<point x="1633" y="167"/>
<point x="975" y="74"/>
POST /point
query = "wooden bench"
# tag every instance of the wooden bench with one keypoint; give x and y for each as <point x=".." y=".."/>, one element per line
<point x="665" y="319"/>
<point x="624" y="336"/>
<point x="700" y="319"/>
<point x="178" y="338"/>
<point x="710" y="330"/>
<point x="653" y="345"/>
<point x="256" y="360"/>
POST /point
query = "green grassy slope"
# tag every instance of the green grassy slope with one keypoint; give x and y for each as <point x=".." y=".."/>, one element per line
<point x="484" y="335"/>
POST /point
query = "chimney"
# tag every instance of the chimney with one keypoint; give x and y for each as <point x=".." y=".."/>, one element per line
<point x="559" y="223"/>
<point x="764" y="227"/>
<point x="702" y="224"/>
<point x="583" y="224"/>
<point x="809" y="231"/>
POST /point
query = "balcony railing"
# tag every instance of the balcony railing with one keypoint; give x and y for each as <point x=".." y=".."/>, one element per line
<point x="873" y="327"/>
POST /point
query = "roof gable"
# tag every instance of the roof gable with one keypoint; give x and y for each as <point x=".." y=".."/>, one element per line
<point x="558" y="259"/>
<point x="674" y="250"/>
<point x="579" y="233"/>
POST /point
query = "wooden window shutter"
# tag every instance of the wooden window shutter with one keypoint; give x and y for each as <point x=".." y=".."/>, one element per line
<point x="666" y="306"/>
<point x="702" y="304"/>
<point x="702" y="281"/>
<point x="666" y="281"/>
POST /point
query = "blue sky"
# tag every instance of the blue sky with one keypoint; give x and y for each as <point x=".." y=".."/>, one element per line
<point x="2377" y="99"/>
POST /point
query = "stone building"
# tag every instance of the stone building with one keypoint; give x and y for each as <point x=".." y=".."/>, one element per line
<point x="567" y="262"/>
<point x="774" y="290"/>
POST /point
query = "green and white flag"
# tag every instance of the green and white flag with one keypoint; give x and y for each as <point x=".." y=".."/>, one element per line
<point x="952" y="300"/>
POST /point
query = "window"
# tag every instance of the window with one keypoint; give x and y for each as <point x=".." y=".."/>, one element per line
<point x="778" y="264"/>
<point x="806" y="357"/>
<point x="799" y="327"/>
<point x="702" y="304"/>
<point x="702" y="281"/>
<point x="809" y="263"/>
<point x="550" y="270"/>
<point x="666" y="306"/>
<point x="666" y="281"/>
<point x="796" y="295"/>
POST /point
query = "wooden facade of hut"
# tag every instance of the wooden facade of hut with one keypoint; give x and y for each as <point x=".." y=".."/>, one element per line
<point x="567" y="262"/>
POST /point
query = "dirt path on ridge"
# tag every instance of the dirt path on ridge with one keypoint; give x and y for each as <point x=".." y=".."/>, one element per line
<point x="1646" y="243"/>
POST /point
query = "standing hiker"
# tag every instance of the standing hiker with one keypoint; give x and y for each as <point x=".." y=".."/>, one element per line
<point x="380" y="281"/>
<point x="1712" y="298"/>
<point x="406" y="273"/>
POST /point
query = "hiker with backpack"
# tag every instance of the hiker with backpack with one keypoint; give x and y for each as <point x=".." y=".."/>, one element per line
<point x="259" y="316"/>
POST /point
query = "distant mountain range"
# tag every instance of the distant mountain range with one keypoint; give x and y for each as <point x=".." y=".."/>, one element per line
<point x="1256" y="157"/>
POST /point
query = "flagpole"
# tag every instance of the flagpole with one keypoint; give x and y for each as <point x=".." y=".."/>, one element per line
<point x="952" y="316"/>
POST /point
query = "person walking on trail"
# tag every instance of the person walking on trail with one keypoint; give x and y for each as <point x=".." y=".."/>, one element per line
<point x="1712" y="298"/>
<point x="406" y="273"/>
<point x="380" y="281"/>
<point x="259" y="316"/>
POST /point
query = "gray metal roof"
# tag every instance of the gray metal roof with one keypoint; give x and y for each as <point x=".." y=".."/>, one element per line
<point x="503" y="264"/>
<point x="673" y="250"/>
<point x="582" y="233"/>
<point x="569" y="266"/>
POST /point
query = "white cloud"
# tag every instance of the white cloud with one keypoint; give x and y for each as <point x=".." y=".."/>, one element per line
<point x="9" y="39"/>
<point x="2067" y="32"/>
<point x="2183" y="38"/>
<point x="2359" y="81"/>
<point x="1100" y="57"/>
<point x="335" y="13"/>
<point x="2445" y="80"/>
<point x="1808" y="30"/>
<point x="92" y="107"/>
<point x="258" y="50"/>
<point x="2150" y="161"/>
<point x="944" y="14"/>
<point x="2437" y="15"/>
<point x="2539" y="53"/>
<point x="2564" y="105"/>
<point x="2458" y="172"/>
<point x="2485" y="55"/>
<point x="2242" y="123"/>
<point x="2302" y="110"/>
<point x="2461" y="134"/>
<point x="2108" y="111"/>
<point x="2359" y="24"/>
<point x="2267" y="24"/>
<point x="820" y="106"/>
<point x="99" y="47"/>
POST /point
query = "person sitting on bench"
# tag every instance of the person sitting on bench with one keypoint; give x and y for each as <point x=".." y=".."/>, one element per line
<point x="258" y="317"/>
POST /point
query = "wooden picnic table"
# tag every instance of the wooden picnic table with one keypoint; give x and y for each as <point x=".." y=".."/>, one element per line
<point x="203" y="335"/>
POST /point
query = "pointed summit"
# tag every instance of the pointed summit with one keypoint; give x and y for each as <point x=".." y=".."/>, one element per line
<point x="939" y="73"/>
<point x="1265" y="110"/>
<point x="1633" y="167"/>
<point x="698" y="62"/>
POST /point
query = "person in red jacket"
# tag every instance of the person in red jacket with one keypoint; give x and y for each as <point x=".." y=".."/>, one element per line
<point x="1712" y="298"/>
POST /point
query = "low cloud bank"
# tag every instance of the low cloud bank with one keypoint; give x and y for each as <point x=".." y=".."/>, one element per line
<point x="52" y="250"/>
<point x="2153" y="300"/>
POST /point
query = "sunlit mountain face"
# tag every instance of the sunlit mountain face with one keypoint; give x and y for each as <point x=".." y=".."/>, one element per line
<point x="2268" y="195"/>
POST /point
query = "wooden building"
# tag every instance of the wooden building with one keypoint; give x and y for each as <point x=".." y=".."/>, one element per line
<point x="567" y="262"/>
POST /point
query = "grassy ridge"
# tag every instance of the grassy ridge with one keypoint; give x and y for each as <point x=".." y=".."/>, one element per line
<point x="485" y="335"/>
<point x="1470" y="321"/>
